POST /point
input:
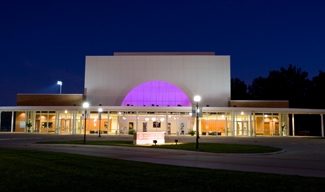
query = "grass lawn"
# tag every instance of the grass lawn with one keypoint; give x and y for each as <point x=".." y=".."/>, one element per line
<point x="205" y="147"/>
<point x="27" y="170"/>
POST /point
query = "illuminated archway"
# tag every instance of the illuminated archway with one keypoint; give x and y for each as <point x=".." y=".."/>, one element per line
<point x="156" y="93"/>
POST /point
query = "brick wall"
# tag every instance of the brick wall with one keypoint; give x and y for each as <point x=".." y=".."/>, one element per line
<point x="259" y="104"/>
<point x="49" y="99"/>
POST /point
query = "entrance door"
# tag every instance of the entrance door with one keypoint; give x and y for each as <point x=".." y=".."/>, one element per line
<point x="242" y="128"/>
<point x="66" y="126"/>
<point x="267" y="130"/>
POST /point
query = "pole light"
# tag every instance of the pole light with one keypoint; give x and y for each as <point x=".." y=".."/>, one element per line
<point x="197" y="99"/>
<point x="85" y="105"/>
<point x="100" y="110"/>
<point x="60" y="83"/>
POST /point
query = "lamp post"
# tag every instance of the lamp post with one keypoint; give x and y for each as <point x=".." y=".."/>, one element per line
<point x="85" y="105"/>
<point x="60" y="83"/>
<point x="197" y="99"/>
<point x="100" y="110"/>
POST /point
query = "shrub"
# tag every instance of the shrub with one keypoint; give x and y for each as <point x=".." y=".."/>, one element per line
<point x="131" y="131"/>
<point x="191" y="132"/>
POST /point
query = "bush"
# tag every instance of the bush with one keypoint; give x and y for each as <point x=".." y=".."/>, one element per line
<point x="131" y="131"/>
<point x="191" y="132"/>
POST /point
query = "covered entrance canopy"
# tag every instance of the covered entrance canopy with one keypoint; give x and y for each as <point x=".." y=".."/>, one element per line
<point x="116" y="120"/>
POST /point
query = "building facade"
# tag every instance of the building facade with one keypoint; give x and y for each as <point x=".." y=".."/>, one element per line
<point x="153" y="92"/>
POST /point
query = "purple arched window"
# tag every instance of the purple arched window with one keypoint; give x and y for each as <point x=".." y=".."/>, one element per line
<point x="156" y="93"/>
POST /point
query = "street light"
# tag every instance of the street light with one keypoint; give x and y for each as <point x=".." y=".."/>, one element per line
<point x="197" y="99"/>
<point x="100" y="110"/>
<point x="60" y="83"/>
<point x="85" y="105"/>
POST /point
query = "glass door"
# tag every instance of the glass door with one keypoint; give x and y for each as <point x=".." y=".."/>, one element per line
<point x="242" y="128"/>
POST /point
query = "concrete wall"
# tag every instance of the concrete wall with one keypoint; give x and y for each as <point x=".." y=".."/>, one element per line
<point x="109" y="79"/>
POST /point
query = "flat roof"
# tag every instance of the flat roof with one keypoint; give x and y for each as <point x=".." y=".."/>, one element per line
<point x="166" y="109"/>
<point x="161" y="53"/>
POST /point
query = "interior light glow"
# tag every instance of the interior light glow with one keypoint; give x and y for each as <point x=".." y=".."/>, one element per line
<point x="159" y="93"/>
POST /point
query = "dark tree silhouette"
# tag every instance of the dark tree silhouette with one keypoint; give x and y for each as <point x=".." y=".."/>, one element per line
<point x="316" y="93"/>
<point x="286" y="84"/>
<point x="238" y="90"/>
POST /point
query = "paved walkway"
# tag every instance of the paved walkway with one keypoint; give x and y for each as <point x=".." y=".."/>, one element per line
<point x="304" y="156"/>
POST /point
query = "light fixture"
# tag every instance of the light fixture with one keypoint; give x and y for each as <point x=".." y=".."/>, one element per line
<point x="147" y="119"/>
<point x="197" y="99"/>
<point x="153" y="119"/>
<point x="162" y="119"/>
<point x="60" y="83"/>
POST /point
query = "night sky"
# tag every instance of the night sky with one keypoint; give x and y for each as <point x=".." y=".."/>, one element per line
<point x="43" y="41"/>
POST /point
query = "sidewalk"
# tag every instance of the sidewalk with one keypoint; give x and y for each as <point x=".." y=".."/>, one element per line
<point x="301" y="156"/>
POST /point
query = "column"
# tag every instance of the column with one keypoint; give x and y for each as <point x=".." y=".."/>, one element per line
<point x="136" y="122"/>
<point x="12" y="121"/>
<point x="250" y="124"/>
<point x="322" y="123"/>
<point x="293" y="124"/>
<point x="74" y="123"/>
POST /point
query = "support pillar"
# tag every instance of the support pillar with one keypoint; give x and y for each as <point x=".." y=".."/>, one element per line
<point x="12" y="121"/>
<point x="293" y="124"/>
<point x="322" y="123"/>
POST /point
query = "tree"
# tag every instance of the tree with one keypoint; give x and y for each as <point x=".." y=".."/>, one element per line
<point x="316" y="94"/>
<point x="286" y="84"/>
<point x="238" y="90"/>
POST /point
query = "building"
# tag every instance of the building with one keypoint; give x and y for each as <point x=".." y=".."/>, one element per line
<point x="153" y="92"/>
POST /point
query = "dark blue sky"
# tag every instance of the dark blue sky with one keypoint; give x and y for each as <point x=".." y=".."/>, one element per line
<point x="45" y="41"/>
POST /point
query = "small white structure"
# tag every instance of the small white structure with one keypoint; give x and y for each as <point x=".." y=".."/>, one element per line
<point x="142" y="138"/>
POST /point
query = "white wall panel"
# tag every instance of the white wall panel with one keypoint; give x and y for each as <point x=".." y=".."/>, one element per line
<point x="109" y="78"/>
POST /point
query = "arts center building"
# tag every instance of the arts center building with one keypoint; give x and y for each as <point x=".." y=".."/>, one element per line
<point x="153" y="92"/>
